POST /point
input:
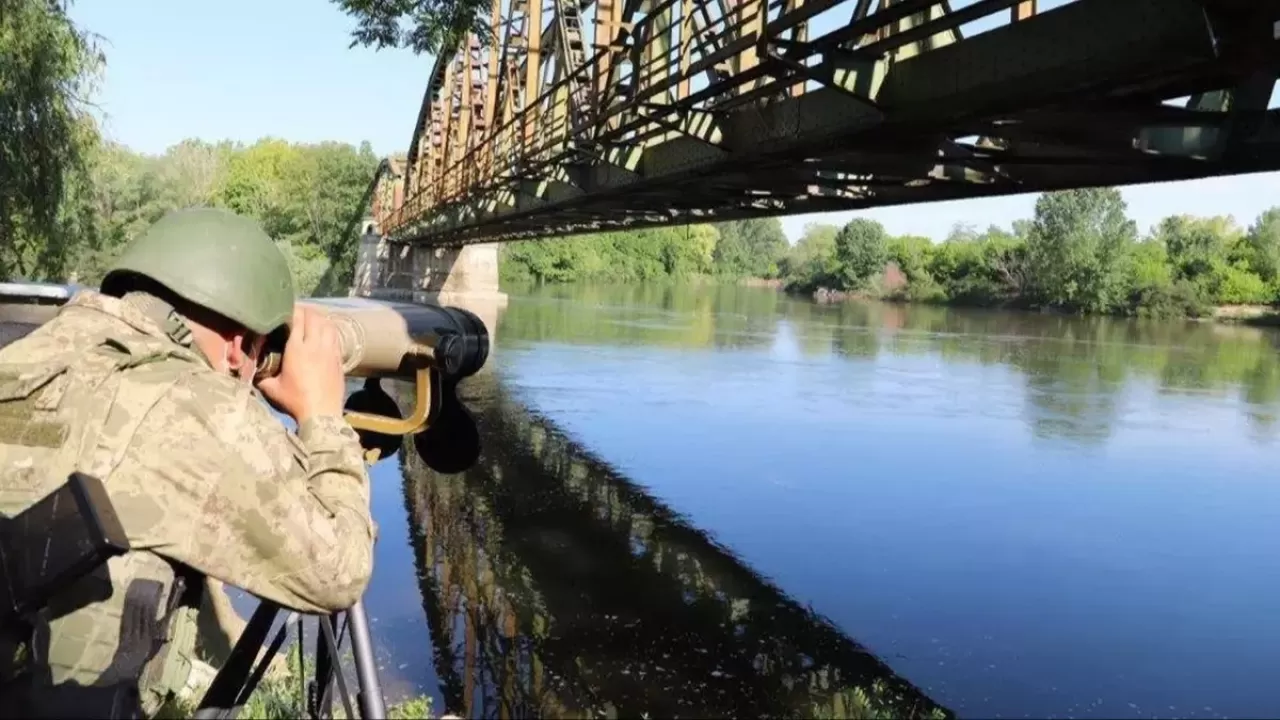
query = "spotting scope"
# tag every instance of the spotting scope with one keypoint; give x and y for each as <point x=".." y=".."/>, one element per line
<point x="395" y="339"/>
<point x="431" y="347"/>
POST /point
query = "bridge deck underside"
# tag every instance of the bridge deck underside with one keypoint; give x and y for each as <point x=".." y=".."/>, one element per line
<point x="1075" y="96"/>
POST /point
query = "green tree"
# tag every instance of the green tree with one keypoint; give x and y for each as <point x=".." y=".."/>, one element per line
<point x="47" y="69"/>
<point x="817" y="242"/>
<point x="625" y="256"/>
<point x="1149" y="268"/>
<point x="957" y="266"/>
<point x="305" y="196"/>
<point x="811" y="263"/>
<point x="191" y="173"/>
<point x="912" y="254"/>
<point x="1078" y="247"/>
<point x="423" y="26"/>
<point x="566" y="259"/>
<point x="750" y="248"/>
<point x="689" y="250"/>
<point x="1197" y="247"/>
<point x="1215" y="257"/>
<point x="986" y="269"/>
<point x="1153" y="290"/>
<point x="1263" y="242"/>
<point x="1004" y="263"/>
<point x="254" y="185"/>
<point x="962" y="232"/>
<point x="307" y="265"/>
<point x="862" y="249"/>
<point x="323" y="185"/>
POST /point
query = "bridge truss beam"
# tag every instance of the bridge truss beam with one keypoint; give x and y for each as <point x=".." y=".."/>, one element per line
<point x="682" y="111"/>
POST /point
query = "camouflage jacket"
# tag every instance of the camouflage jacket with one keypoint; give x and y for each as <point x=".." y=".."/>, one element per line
<point x="200" y="471"/>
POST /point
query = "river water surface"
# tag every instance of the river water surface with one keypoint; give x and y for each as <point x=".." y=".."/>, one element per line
<point x="722" y="500"/>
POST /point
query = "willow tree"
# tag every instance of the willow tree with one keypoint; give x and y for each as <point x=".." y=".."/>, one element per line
<point x="47" y="68"/>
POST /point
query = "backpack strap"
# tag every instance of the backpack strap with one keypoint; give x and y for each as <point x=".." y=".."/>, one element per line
<point x="144" y="630"/>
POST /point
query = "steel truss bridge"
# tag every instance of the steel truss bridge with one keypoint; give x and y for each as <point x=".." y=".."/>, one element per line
<point x="591" y="115"/>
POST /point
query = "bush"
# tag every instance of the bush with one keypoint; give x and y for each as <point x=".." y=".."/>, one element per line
<point x="924" y="289"/>
<point x="1178" y="299"/>
<point x="1237" y="286"/>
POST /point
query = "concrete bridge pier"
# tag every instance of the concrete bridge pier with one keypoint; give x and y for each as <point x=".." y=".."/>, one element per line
<point x="465" y="277"/>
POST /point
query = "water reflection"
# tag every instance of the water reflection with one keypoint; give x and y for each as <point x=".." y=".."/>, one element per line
<point x="1026" y="515"/>
<point x="652" y="314"/>
<point x="556" y="587"/>
<point x="1076" y="371"/>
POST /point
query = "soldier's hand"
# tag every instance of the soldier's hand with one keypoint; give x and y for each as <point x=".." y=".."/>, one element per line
<point x="310" y="382"/>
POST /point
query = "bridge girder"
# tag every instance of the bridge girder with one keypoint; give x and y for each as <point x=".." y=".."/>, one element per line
<point x="707" y="110"/>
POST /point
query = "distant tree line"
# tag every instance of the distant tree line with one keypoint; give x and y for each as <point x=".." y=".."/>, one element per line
<point x="304" y="196"/>
<point x="746" y="248"/>
<point x="1079" y="253"/>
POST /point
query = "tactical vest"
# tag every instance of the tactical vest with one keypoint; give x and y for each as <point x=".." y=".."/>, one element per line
<point x="118" y="641"/>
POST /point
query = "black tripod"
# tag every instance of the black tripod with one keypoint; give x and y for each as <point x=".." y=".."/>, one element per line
<point x="239" y="677"/>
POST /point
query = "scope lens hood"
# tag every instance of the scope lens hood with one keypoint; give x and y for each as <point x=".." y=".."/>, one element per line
<point x="469" y="345"/>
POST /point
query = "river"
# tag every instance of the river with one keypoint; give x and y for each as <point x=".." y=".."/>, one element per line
<point x="722" y="500"/>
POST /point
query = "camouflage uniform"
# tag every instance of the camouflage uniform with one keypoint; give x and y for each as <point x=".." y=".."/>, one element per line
<point x="206" y="481"/>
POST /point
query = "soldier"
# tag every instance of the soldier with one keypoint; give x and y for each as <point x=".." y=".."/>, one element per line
<point x="149" y="386"/>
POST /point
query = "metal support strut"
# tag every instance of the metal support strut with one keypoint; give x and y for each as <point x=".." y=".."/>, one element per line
<point x="238" y="678"/>
<point x="372" y="701"/>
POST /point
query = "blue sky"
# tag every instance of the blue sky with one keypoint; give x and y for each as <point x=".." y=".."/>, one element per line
<point x="242" y="69"/>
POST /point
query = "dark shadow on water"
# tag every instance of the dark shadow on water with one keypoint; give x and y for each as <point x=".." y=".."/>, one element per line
<point x="556" y="587"/>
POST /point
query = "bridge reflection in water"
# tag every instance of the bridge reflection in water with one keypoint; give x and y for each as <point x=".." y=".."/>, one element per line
<point x="556" y="587"/>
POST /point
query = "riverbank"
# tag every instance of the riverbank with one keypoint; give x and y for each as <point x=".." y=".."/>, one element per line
<point x="1253" y="315"/>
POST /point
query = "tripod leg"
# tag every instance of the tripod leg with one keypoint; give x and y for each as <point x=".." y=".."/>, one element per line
<point x="326" y="632"/>
<point x="220" y="700"/>
<point x="276" y="643"/>
<point x="372" y="702"/>
<point x="320" y="699"/>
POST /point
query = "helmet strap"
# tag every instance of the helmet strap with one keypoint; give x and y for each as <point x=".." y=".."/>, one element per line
<point x="172" y="322"/>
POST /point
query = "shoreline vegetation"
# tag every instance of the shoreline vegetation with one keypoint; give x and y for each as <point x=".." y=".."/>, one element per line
<point x="1080" y="254"/>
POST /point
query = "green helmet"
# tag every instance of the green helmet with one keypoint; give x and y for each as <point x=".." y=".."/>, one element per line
<point x="217" y="260"/>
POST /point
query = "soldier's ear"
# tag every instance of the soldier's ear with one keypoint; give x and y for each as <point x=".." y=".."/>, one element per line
<point x="240" y="351"/>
